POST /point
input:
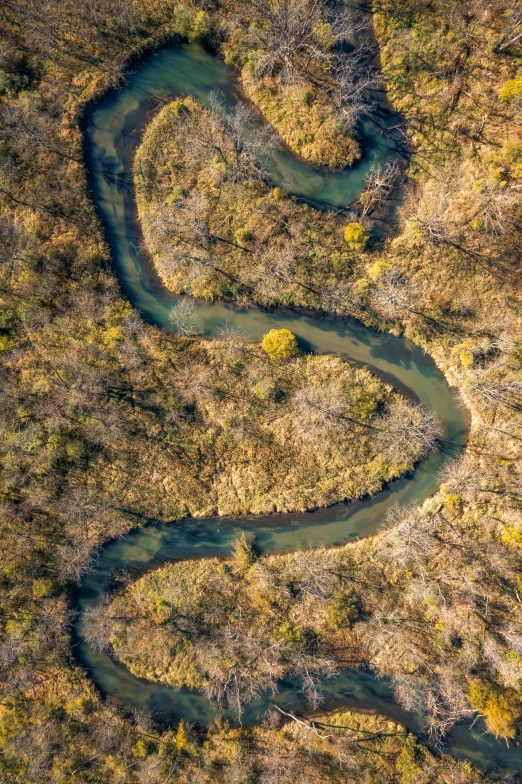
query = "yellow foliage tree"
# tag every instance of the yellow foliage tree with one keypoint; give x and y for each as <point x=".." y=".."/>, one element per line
<point x="279" y="344"/>
<point x="511" y="89"/>
<point x="200" y="26"/>
<point x="181" y="737"/>
<point x="244" y="555"/>
<point x="501" y="710"/>
<point x="139" y="750"/>
<point x="356" y="235"/>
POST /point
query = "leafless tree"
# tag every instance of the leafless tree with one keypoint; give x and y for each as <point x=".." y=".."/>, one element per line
<point x="183" y="237"/>
<point x="497" y="389"/>
<point x="193" y="380"/>
<point x="276" y="267"/>
<point x="379" y="186"/>
<point x="250" y="143"/>
<point x="314" y="578"/>
<point x="408" y="432"/>
<point x="479" y="482"/>
<point x="293" y="33"/>
<point x="97" y="626"/>
<point x="74" y="558"/>
<point x="124" y="13"/>
<point x="411" y="536"/>
<point x="27" y="126"/>
<point x="513" y="33"/>
<point x="495" y="651"/>
<point x="321" y="409"/>
<point x="493" y="204"/>
<point x="291" y="38"/>
<point x="341" y="298"/>
<point x="242" y="142"/>
<point x="232" y="334"/>
<point x="183" y="316"/>
<point x="394" y="294"/>
<point x="428" y="212"/>
<point x="354" y="79"/>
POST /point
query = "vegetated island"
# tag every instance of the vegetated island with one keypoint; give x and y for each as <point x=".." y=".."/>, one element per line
<point x="214" y="225"/>
<point x="275" y="430"/>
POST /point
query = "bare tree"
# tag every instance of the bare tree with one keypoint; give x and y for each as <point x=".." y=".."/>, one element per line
<point x="251" y="142"/>
<point x="27" y="126"/>
<point x="241" y="141"/>
<point x="341" y="297"/>
<point x="411" y="536"/>
<point x="183" y="316"/>
<point x="379" y="186"/>
<point x="513" y="33"/>
<point x="497" y="389"/>
<point x="229" y="332"/>
<point x="408" y="432"/>
<point x="276" y="266"/>
<point x="493" y="203"/>
<point x="354" y="79"/>
<point x="428" y="212"/>
<point x="394" y="294"/>
<point x="300" y="41"/>
<point x="321" y="409"/>
<point x="293" y="33"/>
<point x="182" y="235"/>
<point x="97" y="626"/>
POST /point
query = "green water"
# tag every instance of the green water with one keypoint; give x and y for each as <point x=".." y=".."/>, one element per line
<point x="112" y="132"/>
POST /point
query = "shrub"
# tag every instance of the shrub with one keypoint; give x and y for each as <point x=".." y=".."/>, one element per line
<point x="139" y="750"/>
<point x="467" y="358"/>
<point x="176" y="193"/>
<point x="409" y="761"/>
<point x="511" y="535"/>
<point x="200" y="27"/>
<point x="243" y="235"/>
<point x="42" y="588"/>
<point x="181" y="737"/>
<point x="244" y="555"/>
<point x="344" y="609"/>
<point x="501" y="710"/>
<point x="306" y="96"/>
<point x="356" y="236"/>
<point x="453" y="503"/>
<point x="511" y="89"/>
<point x="289" y="635"/>
<point x="365" y="406"/>
<point x="279" y="344"/>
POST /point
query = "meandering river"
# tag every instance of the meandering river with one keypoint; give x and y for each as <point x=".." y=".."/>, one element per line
<point x="113" y="130"/>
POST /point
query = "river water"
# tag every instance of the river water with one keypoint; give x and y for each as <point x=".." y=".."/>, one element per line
<point x="113" y="130"/>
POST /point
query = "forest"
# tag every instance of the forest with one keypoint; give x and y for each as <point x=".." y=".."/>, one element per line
<point x="109" y="423"/>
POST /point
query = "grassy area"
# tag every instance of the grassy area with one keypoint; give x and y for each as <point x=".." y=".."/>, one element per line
<point x="305" y="121"/>
<point x="248" y="441"/>
<point x="292" y="68"/>
<point x="259" y="245"/>
<point x="410" y="608"/>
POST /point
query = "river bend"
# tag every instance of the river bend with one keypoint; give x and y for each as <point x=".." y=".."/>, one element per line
<point x="113" y="130"/>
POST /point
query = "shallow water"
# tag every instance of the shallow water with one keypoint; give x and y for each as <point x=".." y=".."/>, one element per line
<point x="112" y="132"/>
